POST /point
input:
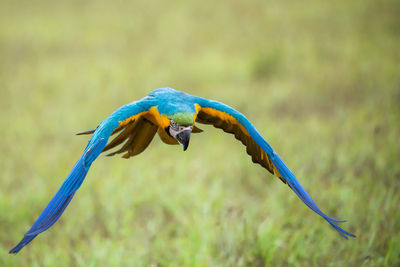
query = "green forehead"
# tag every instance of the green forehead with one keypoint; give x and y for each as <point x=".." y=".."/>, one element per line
<point x="182" y="118"/>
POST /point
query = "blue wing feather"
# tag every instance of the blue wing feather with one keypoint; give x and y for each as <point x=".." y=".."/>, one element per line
<point x="284" y="171"/>
<point x="62" y="198"/>
<point x="64" y="195"/>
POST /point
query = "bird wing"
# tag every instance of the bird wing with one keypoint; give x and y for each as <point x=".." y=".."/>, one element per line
<point x="230" y="120"/>
<point x="138" y="135"/>
<point x="119" y="120"/>
<point x="135" y="134"/>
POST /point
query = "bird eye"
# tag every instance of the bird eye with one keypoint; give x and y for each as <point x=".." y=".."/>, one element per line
<point x="174" y="125"/>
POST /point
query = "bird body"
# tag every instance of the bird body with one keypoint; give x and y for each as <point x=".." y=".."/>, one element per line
<point x="173" y="115"/>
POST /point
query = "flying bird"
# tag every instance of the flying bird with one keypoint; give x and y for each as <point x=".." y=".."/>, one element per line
<point x="173" y="115"/>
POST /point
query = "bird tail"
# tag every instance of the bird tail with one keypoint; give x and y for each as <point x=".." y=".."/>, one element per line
<point x="295" y="185"/>
<point x="62" y="198"/>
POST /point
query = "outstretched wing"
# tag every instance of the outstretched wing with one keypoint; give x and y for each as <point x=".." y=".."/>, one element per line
<point x="232" y="121"/>
<point x="121" y="118"/>
<point x="135" y="134"/>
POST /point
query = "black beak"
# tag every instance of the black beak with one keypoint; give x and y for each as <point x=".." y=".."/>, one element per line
<point x="184" y="138"/>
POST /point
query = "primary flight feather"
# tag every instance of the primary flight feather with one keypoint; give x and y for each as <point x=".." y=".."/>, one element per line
<point x="172" y="114"/>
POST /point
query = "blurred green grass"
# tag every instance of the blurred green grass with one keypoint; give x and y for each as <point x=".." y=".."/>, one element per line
<point x="320" y="80"/>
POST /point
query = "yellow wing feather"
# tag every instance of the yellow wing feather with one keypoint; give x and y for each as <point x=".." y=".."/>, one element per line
<point x="229" y="124"/>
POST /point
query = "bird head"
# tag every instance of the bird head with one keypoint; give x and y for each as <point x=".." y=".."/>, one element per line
<point x="180" y="133"/>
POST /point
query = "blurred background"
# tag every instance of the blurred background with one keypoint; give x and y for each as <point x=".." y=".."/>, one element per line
<point x="321" y="82"/>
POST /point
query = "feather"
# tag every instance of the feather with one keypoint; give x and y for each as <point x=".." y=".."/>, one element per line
<point x="223" y="116"/>
<point x="196" y="129"/>
<point x="63" y="196"/>
<point x="97" y="143"/>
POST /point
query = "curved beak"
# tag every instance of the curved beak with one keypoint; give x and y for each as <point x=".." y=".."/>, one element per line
<point x="184" y="138"/>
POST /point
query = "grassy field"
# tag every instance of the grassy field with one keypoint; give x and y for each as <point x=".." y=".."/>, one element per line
<point x="321" y="82"/>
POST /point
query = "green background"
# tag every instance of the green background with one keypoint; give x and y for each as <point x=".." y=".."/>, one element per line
<point x="321" y="82"/>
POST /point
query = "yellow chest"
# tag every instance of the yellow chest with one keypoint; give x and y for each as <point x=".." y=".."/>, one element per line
<point x="162" y="122"/>
<point x="156" y="118"/>
<point x="165" y="137"/>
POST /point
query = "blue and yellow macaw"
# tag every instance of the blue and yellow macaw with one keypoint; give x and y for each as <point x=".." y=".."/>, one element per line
<point x="172" y="114"/>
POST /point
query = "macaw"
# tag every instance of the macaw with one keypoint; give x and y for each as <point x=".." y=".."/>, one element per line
<point x="172" y="114"/>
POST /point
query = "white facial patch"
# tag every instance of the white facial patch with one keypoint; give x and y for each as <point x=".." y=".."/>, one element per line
<point x="175" y="129"/>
